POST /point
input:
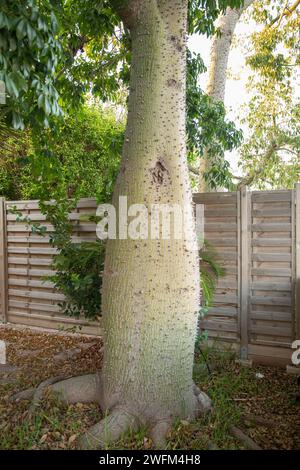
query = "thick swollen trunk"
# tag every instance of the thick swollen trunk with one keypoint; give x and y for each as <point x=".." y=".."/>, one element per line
<point x="217" y="70"/>
<point x="151" y="287"/>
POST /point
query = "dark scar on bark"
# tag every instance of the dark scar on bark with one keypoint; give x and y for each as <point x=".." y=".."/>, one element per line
<point x="176" y="43"/>
<point x="158" y="173"/>
<point x="173" y="83"/>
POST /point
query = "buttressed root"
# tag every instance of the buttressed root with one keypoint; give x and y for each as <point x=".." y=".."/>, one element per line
<point x="203" y="402"/>
<point x="87" y="389"/>
<point x="84" y="389"/>
<point x="158" y="434"/>
<point x="109" y="429"/>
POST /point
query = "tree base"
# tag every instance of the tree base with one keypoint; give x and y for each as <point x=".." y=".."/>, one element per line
<point x="117" y="421"/>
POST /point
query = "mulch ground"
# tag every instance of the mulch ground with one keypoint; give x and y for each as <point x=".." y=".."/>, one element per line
<point x="237" y="392"/>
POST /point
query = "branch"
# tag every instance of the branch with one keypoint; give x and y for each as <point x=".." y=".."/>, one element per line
<point x="128" y="11"/>
<point x="193" y="170"/>
<point x="287" y="11"/>
<point x="248" y="179"/>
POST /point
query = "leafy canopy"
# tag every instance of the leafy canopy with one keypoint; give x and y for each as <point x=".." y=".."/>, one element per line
<point x="270" y="156"/>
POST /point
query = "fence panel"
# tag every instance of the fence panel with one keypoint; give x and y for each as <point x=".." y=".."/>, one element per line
<point x="32" y="300"/>
<point x="256" y="236"/>
<point x="221" y="230"/>
<point x="271" y="303"/>
<point x="3" y="263"/>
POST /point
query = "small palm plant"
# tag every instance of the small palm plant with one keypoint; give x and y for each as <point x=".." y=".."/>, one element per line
<point x="210" y="272"/>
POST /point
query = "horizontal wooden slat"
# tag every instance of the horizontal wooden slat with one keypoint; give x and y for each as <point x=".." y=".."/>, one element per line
<point x="264" y="227"/>
<point x="271" y="242"/>
<point x="230" y="256"/>
<point x="270" y="196"/>
<point x="30" y="272"/>
<point x="218" y="242"/>
<point x="271" y="330"/>
<point x="225" y="298"/>
<point x="218" y="325"/>
<point x="29" y="239"/>
<point x="215" y="198"/>
<point x="273" y="286"/>
<point x="225" y="212"/>
<point x="216" y="227"/>
<point x="223" y="283"/>
<point x="31" y="251"/>
<point x="30" y="261"/>
<point x="271" y="300"/>
<point x="271" y="257"/>
<point x="223" y="311"/>
<point x="38" y="217"/>
<point x="81" y="227"/>
<point x="33" y="306"/>
<point x="30" y="283"/>
<point x="269" y="212"/>
<point x="279" y="272"/>
<point x="35" y="294"/>
<point x="274" y="316"/>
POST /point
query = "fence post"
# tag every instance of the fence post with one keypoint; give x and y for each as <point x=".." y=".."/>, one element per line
<point x="3" y="262"/>
<point x="297" y="260"/>
<point x="244" y="214"/>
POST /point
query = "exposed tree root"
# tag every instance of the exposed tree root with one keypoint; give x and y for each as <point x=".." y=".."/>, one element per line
<point x="23" y="395"/>
<point x="109" y="429"/>
<point x="203" y="404"/>
<point x="158" y="434"/>
<point x="87" y="389"/>
<point x="84" y="389"/>
<point x="260" y="420"/>
<point x="39" y="391"/>
<point x="244" y="439"/>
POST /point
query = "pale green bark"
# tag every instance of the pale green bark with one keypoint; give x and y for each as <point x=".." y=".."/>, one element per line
<point x="151" y="288"/>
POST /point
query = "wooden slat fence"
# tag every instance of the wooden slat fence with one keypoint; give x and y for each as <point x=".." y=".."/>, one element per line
<point x="30" y="299"/>
<point x="256" y="305"/>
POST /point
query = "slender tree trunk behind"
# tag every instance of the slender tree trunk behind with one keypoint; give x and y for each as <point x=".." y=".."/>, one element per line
<point x="217" y="70"/>
<point x="151" y="287"/>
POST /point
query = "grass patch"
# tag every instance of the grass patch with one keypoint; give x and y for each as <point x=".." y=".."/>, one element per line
<point x="235" y="391"/>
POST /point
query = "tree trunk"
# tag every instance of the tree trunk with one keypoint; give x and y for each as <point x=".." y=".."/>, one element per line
<point x="151" y="287"/>
<point x="217" y="70"/>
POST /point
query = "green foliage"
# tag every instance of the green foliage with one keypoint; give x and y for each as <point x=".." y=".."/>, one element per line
<point x="78" y="158"/>
<point x="73" y="48"/>
<point x="210" y="272"/>
<point x="270" y="155"/>
<point x="29" y="55"/>
<point x="203" y="13"/>
<point x="209" y="133"/>
<point x="78" y="276"/>
<point x="13" y="145"/>
<point x="78" y="266"/>
<point x="95" y="53"/>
